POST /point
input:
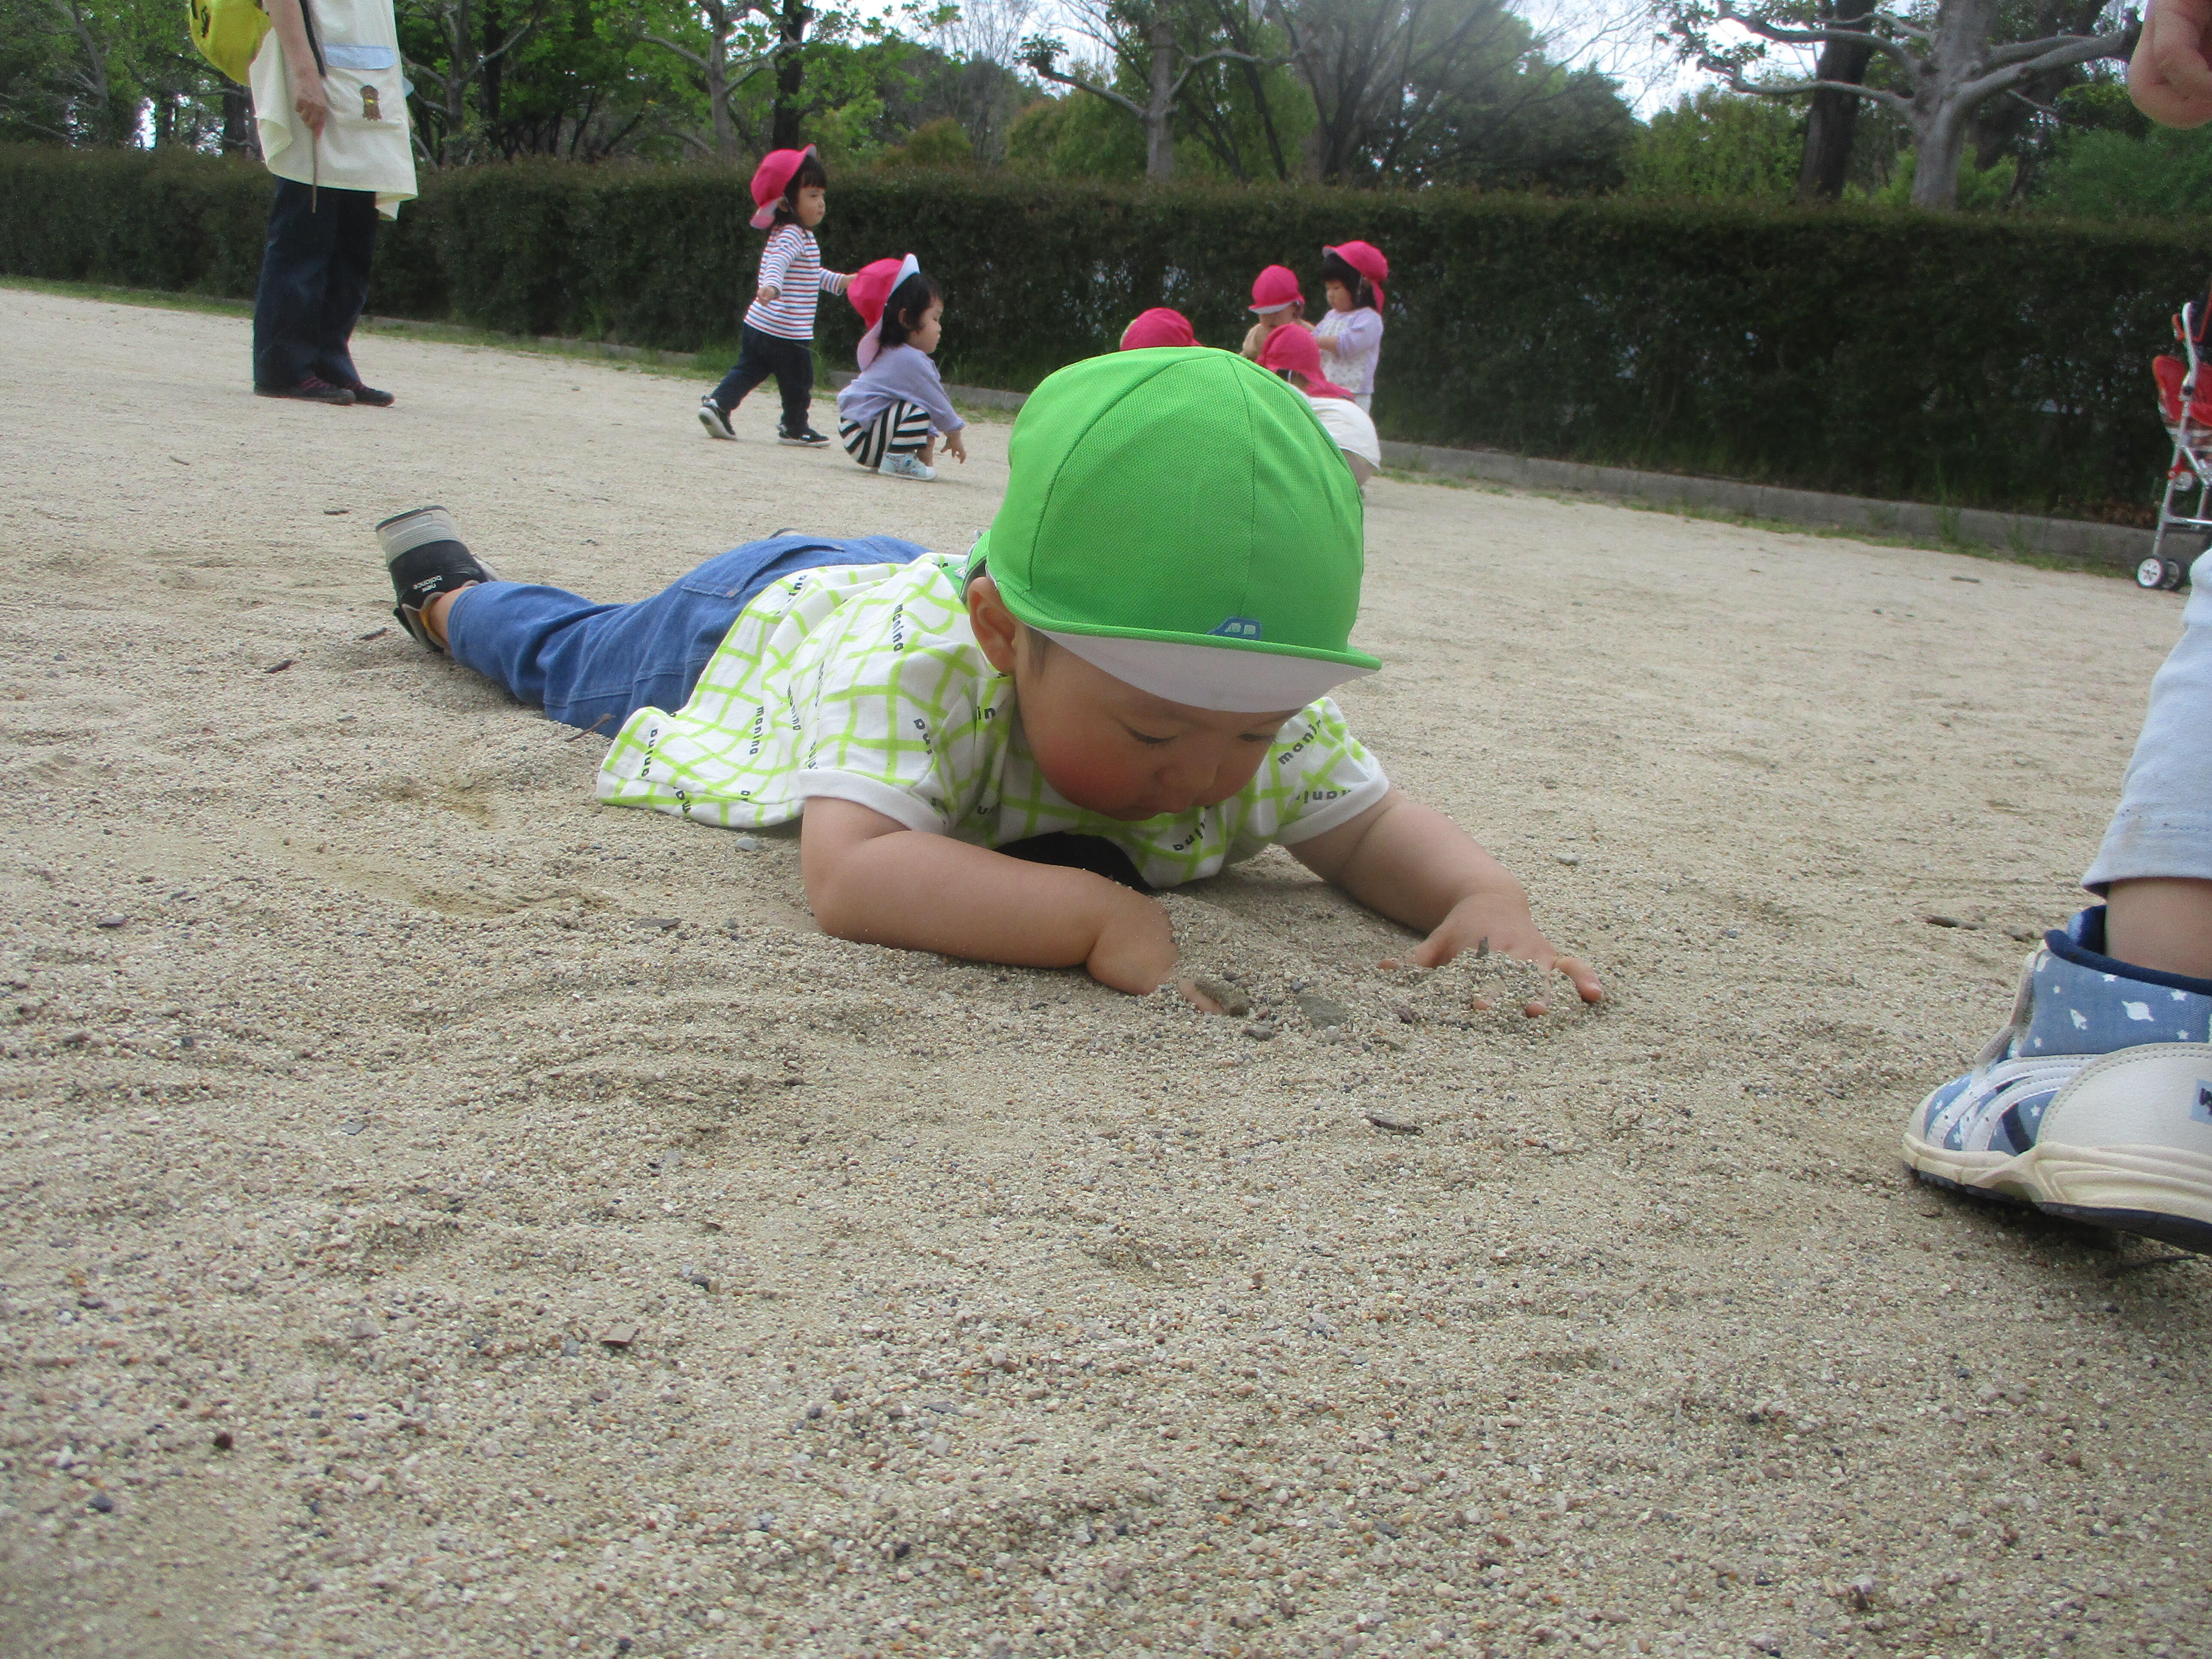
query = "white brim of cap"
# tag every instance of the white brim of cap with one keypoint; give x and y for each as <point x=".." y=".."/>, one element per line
<point x="1352" y="427"/>
<point x="1223" y="678"/>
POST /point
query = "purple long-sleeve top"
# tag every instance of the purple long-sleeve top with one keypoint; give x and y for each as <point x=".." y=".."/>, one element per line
<point x="899" y="373"/>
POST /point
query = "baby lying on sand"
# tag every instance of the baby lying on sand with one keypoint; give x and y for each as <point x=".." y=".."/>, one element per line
<point x="1138" y="651"/>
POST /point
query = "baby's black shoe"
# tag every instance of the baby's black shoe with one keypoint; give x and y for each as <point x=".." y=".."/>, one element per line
<point x="423" y="551"/>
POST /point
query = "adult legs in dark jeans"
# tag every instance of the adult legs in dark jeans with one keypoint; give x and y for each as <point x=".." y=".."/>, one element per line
<point x="760" y="355"/>
<point x="314" y="281"/>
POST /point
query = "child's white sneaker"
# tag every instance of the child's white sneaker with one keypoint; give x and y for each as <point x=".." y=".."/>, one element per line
<point x="2093" y="1103"/>
<point x="906" y="466"/>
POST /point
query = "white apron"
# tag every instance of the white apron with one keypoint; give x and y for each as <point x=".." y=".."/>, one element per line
<point x="365" y="144"/>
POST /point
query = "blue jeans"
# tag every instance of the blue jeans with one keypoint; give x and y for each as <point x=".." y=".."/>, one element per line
<point x="594" y="665"/>
<point x="314" y="281"/>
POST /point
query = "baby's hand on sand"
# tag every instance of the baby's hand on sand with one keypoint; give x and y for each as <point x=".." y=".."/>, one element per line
<point x="1503" y="920"/>
<point x="1136" y="948"/>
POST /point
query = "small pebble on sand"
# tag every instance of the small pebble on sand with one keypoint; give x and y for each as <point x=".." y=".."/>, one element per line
<point x="1323" y="1012"/>
<point x="1226" y="996"/>
<point x="749" y="843"/>
<point x="112" y="922"/>
<point x="1389" y="1123"/>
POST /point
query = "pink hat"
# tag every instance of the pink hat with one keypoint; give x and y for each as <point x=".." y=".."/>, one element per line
<point x="771" y="179"/>
<point x="1157" y="327"/>
<point x="1292" y="347"/>
<point x="1274" y="288"/>
<point x="870" y="291"/>
<point x="1367" y="259"/>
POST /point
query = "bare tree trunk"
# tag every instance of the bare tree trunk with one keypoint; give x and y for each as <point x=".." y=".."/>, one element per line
<point x="1832" y="122"/>
<point x="1159" y="135"/>
<point x="718" y="21"/>
<point x="489" y="89"/>
<point x="1940" y="116"/>
<point x="237" y="120"/>
<point x="790" y="73"/>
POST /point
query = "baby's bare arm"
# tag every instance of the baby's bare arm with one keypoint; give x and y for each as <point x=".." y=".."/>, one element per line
<point x="1416" y="866"/>
<point x="871" y="879"/>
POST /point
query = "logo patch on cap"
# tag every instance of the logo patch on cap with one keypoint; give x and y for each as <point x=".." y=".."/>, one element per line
<point x="1236" y="628"/>
<point x="2202" y="1110"/>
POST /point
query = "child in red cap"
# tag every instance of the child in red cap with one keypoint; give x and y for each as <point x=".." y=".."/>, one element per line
<point x="1275" y="301"/>
<point x="791" y="193"/>
<point x="1291" y="352"/>
<point x="1160" y="326"/>
<point x="1351" y="336"/>
<point x="891" y="413"/>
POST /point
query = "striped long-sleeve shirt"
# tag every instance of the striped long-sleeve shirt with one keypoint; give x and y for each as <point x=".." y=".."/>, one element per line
<point x="792" y="265"/>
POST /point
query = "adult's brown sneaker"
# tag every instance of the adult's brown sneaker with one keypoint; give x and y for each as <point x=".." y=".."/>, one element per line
<point x="313" y="390"/>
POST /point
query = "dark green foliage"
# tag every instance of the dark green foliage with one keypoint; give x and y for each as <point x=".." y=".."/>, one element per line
<point x="1978" y="360"/>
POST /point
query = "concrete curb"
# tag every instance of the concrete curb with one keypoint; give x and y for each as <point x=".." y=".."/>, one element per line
<point x="2112" y="544"/>
<point x="2068" y="539"/>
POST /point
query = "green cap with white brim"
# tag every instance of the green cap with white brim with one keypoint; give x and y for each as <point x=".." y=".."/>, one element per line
<point x="1179" y="518"/>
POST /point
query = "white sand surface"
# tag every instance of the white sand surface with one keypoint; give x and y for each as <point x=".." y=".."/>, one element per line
<point x="967" y="1310"/>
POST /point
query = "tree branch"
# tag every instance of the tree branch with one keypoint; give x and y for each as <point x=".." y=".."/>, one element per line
<point x="1112" y="97"/>
<point x="2078" y="50"/>
<point x="684" y="52"/>
<point x="1734" y="78"/>
<point x="2121" y="42"/>
<point x="1195" y="64"/>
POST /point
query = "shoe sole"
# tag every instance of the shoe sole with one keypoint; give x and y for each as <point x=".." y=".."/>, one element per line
<point x="803" y="443"/>
<point x="715" y="428"/>
<point x="2160" y="1192"/>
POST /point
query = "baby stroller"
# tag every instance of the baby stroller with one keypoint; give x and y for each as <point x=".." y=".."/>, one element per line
<point x="2184" y="397"/>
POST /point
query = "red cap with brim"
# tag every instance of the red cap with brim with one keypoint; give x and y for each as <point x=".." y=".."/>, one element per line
<point x="1292" y="347"/>
<point x="771" y="179"/>
<point x="1160" y="326"/>
<point x="1367" y="259"/>
<point x="1274" y="288"/>
<point x="870" y="291"/>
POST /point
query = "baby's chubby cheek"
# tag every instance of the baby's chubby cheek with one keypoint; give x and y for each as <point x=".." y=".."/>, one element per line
<point x="1091" y="780"/>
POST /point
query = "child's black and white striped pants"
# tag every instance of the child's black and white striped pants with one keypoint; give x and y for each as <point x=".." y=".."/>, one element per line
<point x="902" y="429"/>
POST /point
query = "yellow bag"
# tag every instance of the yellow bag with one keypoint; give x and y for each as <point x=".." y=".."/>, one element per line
<point x="229" y="33"/>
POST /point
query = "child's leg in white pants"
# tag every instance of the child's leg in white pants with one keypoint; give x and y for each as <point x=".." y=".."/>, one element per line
<point x="2155" y="865"/>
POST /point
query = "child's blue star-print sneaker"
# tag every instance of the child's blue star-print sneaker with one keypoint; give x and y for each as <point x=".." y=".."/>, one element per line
<point x="2093" y="1103"/>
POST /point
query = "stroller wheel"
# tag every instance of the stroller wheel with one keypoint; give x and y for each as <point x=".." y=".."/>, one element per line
<point x="2174" y="574"/>
<point x="2151" y="574"/>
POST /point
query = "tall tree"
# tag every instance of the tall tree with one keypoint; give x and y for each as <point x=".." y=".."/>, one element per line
<point x="1832" y="121"/>
<point x="1413" y="92"/>
<point x="473" y="38"/>
<point x="1938" y="61"/>
<point x="715" y="28"/>
<point x="1149" y="36"/>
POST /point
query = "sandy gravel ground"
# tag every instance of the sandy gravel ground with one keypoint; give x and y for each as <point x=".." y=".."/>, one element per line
<point x="443" y="1216"/>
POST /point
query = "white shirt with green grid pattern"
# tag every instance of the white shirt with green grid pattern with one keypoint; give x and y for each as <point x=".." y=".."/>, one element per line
<point x="866" y="682"/>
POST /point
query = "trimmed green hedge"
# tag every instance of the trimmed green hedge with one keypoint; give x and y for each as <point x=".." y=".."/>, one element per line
<point x="1978" y="360"/>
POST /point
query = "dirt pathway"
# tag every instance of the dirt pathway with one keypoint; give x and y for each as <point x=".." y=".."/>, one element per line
<point x="442" y="1217"/>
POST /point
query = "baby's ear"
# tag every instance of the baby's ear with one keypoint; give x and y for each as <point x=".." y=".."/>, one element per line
<point x="996" y="627"/>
